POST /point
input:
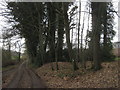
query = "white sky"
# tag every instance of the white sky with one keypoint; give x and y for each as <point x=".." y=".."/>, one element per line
<point x="115" y="3"/>
<point x="83" y="8"/>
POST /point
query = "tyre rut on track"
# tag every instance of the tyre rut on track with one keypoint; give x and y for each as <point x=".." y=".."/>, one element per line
<point x="25" y="78"/>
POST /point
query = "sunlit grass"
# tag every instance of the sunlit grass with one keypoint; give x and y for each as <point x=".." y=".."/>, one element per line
<point x="8" y="67"/>
<point x="117" y="58"/>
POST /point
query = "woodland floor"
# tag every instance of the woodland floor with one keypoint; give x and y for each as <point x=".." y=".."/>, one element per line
<point x="65" y="77"/>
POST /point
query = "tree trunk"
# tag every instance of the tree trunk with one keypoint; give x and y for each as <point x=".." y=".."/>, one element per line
<point x="41" y="52"/>
<point x="31" y="50"/>
<point x="19" y="57"/>
<point x="9" y="49"/>
<point x="51" y="32"/>
<point x="96" y="26"/>
<point x="52" y="18"/>
<point x="79" y="29"/>
<point x="60" y="35"/>
<point x="82" y="50"/>
<point x="105" y="46"/>
<point x="67" y="31"/>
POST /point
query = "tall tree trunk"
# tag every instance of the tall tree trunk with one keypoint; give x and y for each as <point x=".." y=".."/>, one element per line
<point x="19" y="56"/>
<point x="60" y="35"/>
<point x="67" y="31"/>
<point x="105" y="28"/>
<point x="96" y="26"/>
<point x="105" y="46"/>
<point x="52" y="18"/>
<point x="31" y="50"/>
<point x="79" y="30"/>
<point x="41" y="53"/>
<point x="9" y="49"/>
<point x="51" y="32"/>
<point x="87" y="35"/>
<point x="82" y="50"/>
<point x="56" y="56"/>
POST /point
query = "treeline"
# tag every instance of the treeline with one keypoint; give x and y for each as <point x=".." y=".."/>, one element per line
<point x="9" y="57"/>
<point x="46" y="26"/>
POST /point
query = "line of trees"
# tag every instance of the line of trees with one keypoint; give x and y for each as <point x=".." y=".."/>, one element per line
<point x="47" y="25"/>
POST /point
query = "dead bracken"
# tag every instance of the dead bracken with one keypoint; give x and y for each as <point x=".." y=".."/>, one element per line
<point x="107" y="77"/>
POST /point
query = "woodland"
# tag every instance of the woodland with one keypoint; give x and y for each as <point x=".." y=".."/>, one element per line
<point x="54" y="32"/>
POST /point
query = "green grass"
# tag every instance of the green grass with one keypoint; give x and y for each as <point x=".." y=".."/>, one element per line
<point x="8" y="67"/>
<point x="117" y="58"/>
<point x="0" y="68"/>
<point x="15" y="58"/>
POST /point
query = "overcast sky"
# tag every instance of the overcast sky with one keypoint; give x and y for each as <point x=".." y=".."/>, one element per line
<point x="115" y="3"/>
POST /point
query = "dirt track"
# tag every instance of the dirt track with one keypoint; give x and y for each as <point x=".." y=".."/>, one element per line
<point x="24" y="77"/>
